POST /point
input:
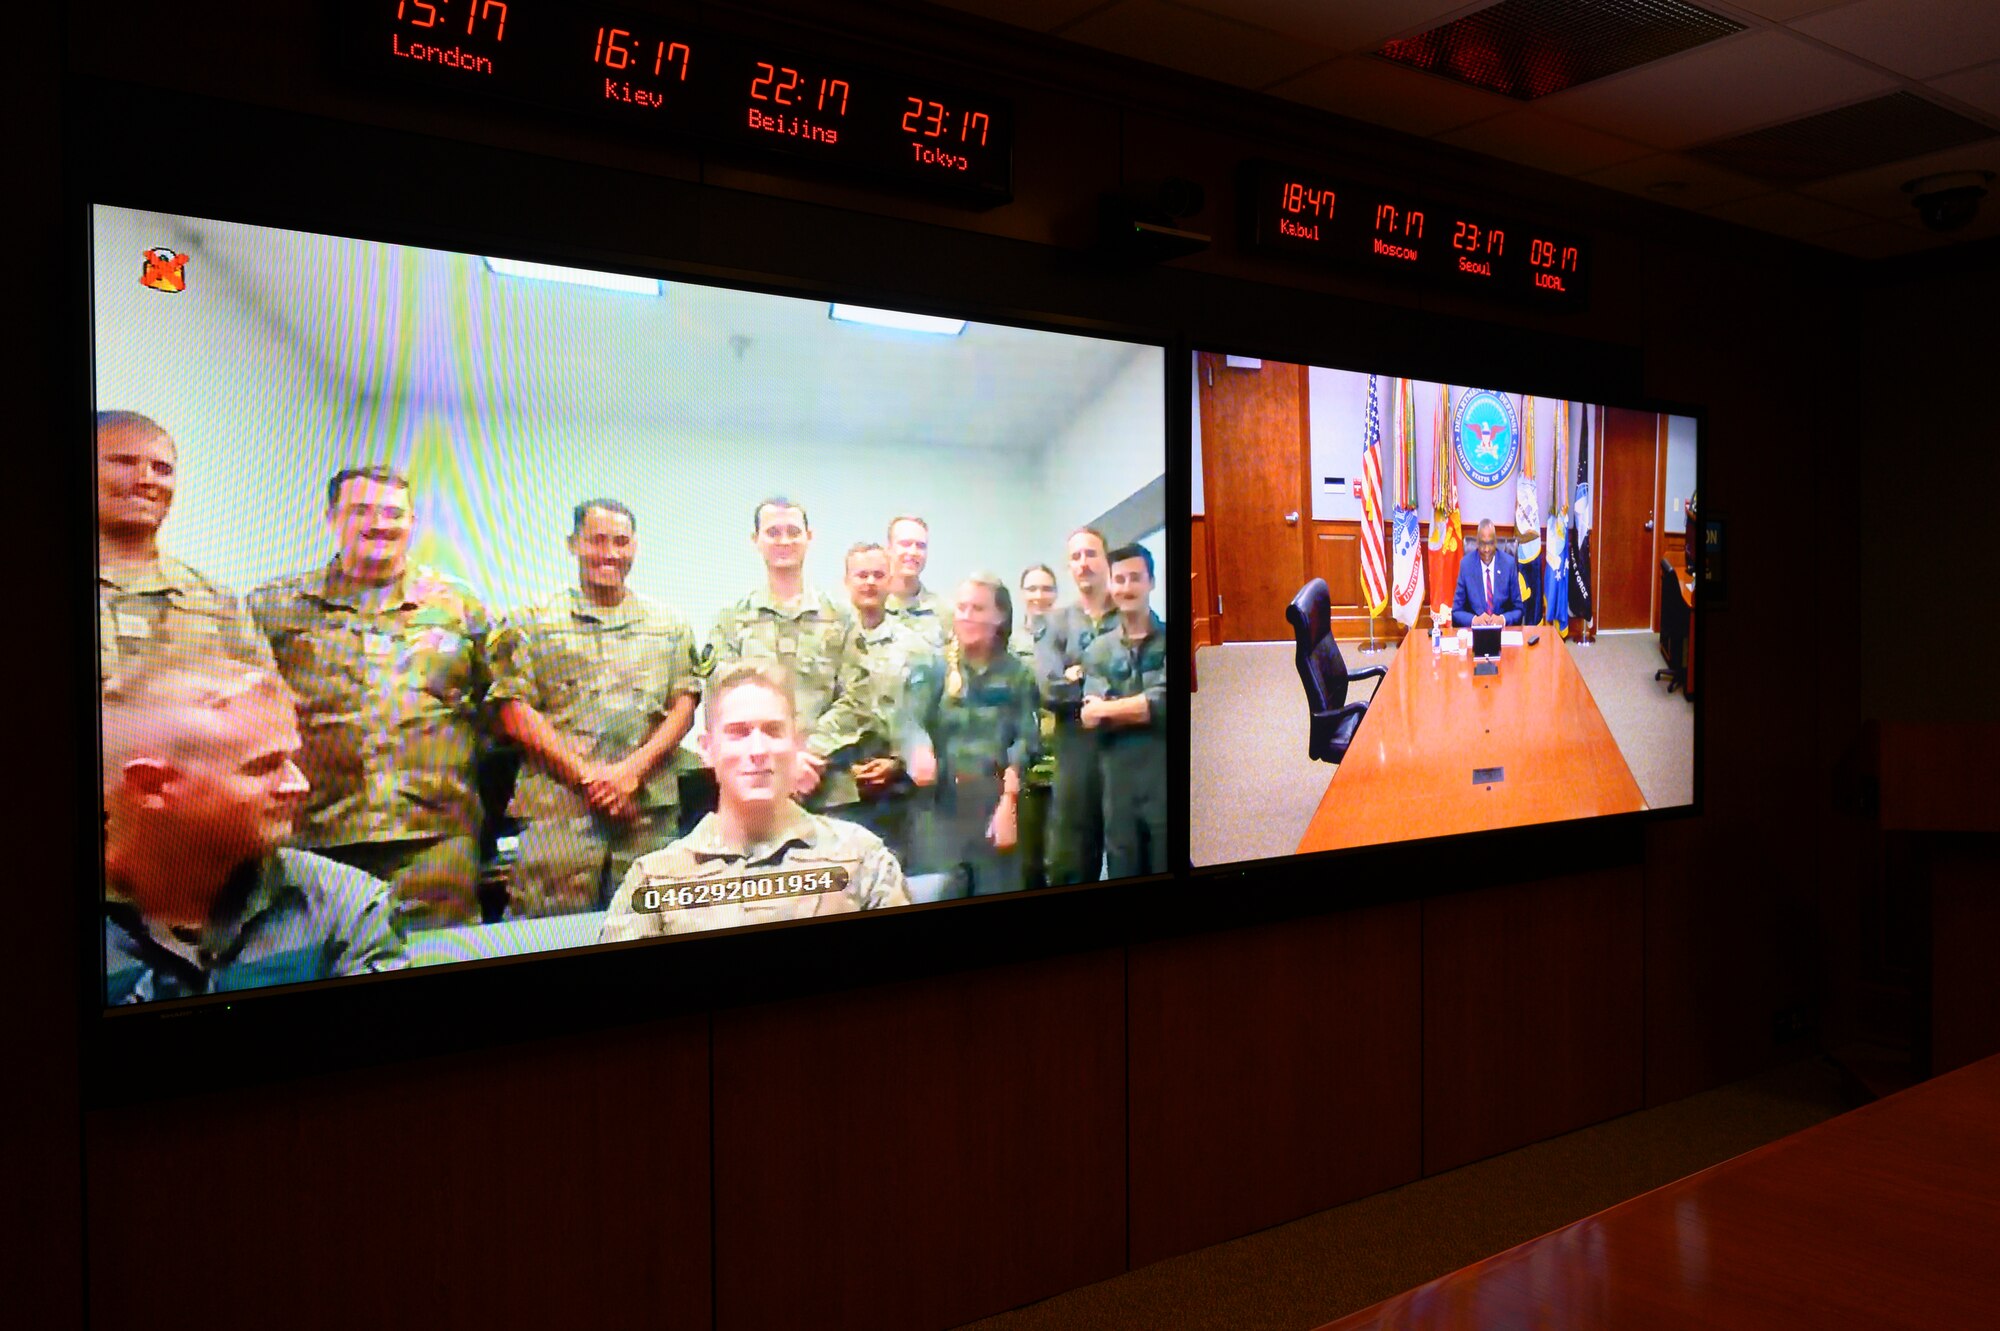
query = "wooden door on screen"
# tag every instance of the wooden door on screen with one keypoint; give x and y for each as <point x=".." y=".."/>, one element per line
<point x="1624" y="568"/>
<point x="1254" y="456"/>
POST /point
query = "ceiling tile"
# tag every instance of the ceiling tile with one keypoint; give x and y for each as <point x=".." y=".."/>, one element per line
<point x="1041" y="15"/>
<point x="1787" y="214"/>
<point x="1198" y="43"/>
<point x="1739" y="83"/>
<point x="1879" y="240"/>
<point x="1977" y="88"/>
<point x="1878" y="191"/>
<point x="1382" y="93"/>
<point x="1781" y="10"/>
<point x="1920" y="38"/>
<point x="1349" y="25"/>
<point x="1543" y="142"/>
<point x="1679" y="181"/>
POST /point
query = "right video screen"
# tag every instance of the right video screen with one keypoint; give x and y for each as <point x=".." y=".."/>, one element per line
<point x="1426" y="609"/>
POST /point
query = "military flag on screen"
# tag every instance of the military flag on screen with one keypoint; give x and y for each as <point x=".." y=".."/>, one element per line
<point x="1555" y="550"/>
<point x="1406" y="596"/>
<point x="1445" y="542"/>
<point x="1374" y="557"/>
<point x="1528" y="521"/>
<point x="1579" y="525"/>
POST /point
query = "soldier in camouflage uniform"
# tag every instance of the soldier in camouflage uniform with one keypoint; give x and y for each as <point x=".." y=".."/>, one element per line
<point x="790" y="625"/>
<point x="1076" y="842"/>
<point x="149" y="602"/>
<point x="388" y="660"/>
<point x="866" y="778"/>
<point x="759" y="857"/>
<point x="1125" y="700"/>
<point x="971" y="726"/>
<point x="909" y="553"/>
<point x="597" y="685"/>
<point x="1038" y="597"/>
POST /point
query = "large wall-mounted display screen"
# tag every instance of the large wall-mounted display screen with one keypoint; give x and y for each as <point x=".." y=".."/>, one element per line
<point x="1426" y="609"/>
<point x="453" y="607"/>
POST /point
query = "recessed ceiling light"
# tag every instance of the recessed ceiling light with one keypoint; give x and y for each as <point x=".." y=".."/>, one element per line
<point x="576" y="277"/>
<point x="901" y="319"/>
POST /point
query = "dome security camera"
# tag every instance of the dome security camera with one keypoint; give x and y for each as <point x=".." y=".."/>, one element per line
<point x="1949" y="201"/>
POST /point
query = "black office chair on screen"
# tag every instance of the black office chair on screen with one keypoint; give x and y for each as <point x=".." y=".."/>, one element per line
<point x="1673" y="629"/>
<point x="1325" y="675"/>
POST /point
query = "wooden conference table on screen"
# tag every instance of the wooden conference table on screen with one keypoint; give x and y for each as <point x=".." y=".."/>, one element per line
<point x="1433" y="724"/>
<point x="1888" y="1216"/>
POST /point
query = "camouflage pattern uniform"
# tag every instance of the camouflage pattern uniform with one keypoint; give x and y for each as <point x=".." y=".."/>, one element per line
<point x="810" y="638"/>
<point x="1134" y="758"/>
<point x="803" y="843"/>
<point x="1076" y="842"/>
<point x="863" y="724"/>
<point x="390" y="682"/>
<point x="604" y="677"/>
<point x="989" y="722"/>
<point x="164" y="605"/>
<point x="926" y="612"/>
<point x="1038" y="782"/>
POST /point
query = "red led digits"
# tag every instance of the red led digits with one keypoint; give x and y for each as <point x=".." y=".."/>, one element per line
<point x="782" y="86"/>
<point x="623" y="63"/>
<point x="933" y="120"/>
<point x="428" y="15"/>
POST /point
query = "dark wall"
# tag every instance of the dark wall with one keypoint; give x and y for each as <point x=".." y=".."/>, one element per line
<point x="923" y="1152"/>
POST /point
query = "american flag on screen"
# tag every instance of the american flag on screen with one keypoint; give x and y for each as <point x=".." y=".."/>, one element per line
<point x="1374" y="552"/>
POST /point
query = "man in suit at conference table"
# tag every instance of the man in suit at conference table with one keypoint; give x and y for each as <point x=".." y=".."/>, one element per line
<point x="1489" y="587"/>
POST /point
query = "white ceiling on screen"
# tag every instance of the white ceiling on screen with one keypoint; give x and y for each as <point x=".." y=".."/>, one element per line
<point x="385" y="322"/>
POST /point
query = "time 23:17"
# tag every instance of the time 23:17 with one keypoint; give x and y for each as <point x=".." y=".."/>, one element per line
<point x="928" y="119"/>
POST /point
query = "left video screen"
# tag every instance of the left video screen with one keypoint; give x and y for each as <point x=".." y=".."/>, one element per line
<point x="453" y="607"/>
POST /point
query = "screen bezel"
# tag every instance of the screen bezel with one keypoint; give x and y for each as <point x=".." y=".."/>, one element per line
<point x="1489" y="843"/>
<point x="878" y="258"/>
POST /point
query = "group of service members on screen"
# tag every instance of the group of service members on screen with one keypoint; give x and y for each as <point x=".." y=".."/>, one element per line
<point x="291" y="785"/>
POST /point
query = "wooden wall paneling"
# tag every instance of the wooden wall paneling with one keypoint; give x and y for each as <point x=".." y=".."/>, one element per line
<point x="1533" y="1012"/>
<point x="1964" y="921"/>
<point x="1274" y="1073"/>
<point x="552" y="1184"/>
<point x="921" y="1154"/>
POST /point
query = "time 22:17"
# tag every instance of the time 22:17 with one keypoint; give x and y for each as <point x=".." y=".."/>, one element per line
<point x="929" y="119"/>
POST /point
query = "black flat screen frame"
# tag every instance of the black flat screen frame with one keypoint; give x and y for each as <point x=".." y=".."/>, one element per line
<point x="410" y="195"/>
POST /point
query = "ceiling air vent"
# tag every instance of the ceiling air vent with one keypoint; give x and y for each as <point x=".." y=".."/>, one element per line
<point x="1531" y="48"/>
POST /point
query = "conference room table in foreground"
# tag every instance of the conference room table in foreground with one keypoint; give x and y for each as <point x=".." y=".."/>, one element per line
<point x="1887" y="1216"/>
<point x="1443" y="750"/>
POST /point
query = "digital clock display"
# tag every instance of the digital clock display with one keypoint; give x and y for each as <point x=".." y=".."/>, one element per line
<point x="1302" y="214"/>
<point x="681" y="82"/>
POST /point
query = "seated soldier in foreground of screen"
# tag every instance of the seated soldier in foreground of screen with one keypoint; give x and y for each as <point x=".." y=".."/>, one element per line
<point x="1125" y="698"/>
<point x="201" y="785"/>
<point x="759" y="857"/>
